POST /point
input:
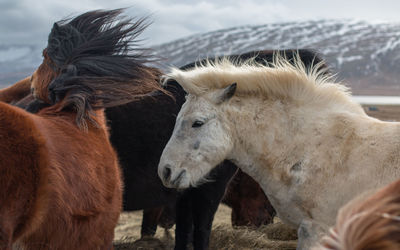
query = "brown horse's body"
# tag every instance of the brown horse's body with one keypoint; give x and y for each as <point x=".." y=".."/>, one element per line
<point x="61" y="185"/>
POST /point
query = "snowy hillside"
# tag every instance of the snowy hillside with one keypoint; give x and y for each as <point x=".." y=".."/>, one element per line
<point x="366" y="55"/>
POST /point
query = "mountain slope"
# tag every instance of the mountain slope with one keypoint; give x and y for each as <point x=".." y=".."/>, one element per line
<point x="365" y="55"/>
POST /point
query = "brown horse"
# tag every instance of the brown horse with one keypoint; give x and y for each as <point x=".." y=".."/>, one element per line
<point x="60" y="183"/>
<point x="250" y="206"/>
<point x="372" y="223"/>
<point x="17" y="91"/>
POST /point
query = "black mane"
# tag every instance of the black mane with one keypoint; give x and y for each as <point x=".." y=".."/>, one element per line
<point x="98" y="62"/>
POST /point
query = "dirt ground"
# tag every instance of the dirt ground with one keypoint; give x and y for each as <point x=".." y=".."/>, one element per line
<point x="223" y="236"/>
<point x="275" y="236"/>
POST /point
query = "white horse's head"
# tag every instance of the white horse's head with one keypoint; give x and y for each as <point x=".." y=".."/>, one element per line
<point x="212" y="127"/>
<point x="202" y="139"/>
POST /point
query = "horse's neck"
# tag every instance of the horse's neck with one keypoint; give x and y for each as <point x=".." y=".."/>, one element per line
<point x="99" y="122"/>
<point x="273" y="137"/>
<point x="264" y="129"/>
<point x="100" y="118"/>
<point x="97" y="118"/>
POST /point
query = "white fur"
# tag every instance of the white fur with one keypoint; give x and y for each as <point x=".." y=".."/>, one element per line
<point x="296" y="132"/>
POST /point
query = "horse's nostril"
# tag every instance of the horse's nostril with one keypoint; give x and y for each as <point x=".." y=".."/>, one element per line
<point x="167" y="172"/>
<point x="179" y="177"/>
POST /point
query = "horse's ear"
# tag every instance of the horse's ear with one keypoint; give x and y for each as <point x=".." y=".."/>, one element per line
<point x="226" y="93"/>
<point x="55" y="29"/>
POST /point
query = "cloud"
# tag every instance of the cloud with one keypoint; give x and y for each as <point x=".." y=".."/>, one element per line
<point x="173" y="21"/>
<point x="29" y="22"/>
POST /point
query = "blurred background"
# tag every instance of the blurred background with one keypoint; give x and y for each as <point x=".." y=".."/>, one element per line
<point x="359" y="39"/>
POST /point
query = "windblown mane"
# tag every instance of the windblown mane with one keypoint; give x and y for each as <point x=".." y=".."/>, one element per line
<point x="373" y="223"/>
<point x="283" y="78"/>
<point x="98" y="62"/>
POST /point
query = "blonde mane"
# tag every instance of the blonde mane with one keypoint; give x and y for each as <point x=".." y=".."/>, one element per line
<point x="281" y="79"/>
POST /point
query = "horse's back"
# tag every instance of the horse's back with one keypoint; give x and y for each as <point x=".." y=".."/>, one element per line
<point x="17" y="91"/>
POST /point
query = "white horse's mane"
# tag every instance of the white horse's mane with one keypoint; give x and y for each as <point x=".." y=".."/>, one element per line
<point x="279" y="79"/>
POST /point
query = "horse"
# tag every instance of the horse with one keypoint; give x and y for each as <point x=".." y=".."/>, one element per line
<point x="61" y="185"/>
<point x="367" y="223"/>
<point x="250" y="206"/>
<point x="292" y="128"/>
<point x="17" y="91"/>
<point x="139" y="132"/>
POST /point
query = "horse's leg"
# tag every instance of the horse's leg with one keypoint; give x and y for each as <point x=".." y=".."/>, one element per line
<point x="205" y="200"/>
<point x="168" y="216"/>
<point x="184" y="221"/>
<point x="150" y="220"/>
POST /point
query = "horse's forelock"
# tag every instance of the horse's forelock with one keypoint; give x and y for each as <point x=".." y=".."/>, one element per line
<point x="96" y="62"/>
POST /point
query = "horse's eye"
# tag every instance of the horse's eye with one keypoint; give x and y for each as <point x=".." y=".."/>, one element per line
<point x="197" y="124"/>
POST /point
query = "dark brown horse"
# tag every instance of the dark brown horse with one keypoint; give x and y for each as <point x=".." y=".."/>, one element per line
<point x="60" y="185"/>
<point x="250" y="206"/>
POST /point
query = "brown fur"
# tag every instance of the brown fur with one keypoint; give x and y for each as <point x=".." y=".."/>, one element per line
<point x="61" y="186"/>
<point x="372" y="223"/>
<point x="250" y="206"/>
<point x="17" y="91"/>
<point x="40" y="84"/>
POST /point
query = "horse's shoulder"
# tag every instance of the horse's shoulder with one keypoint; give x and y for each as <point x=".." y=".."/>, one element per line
<point x="17" y="127"/>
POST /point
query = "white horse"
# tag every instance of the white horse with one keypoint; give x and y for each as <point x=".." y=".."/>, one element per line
<point x="294" y="130"/>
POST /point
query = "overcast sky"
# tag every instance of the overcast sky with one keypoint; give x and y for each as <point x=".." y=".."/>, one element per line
<point x="29" y="21"/>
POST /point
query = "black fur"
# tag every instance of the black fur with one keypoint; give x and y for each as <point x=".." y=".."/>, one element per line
<point x="98" y="62"/>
